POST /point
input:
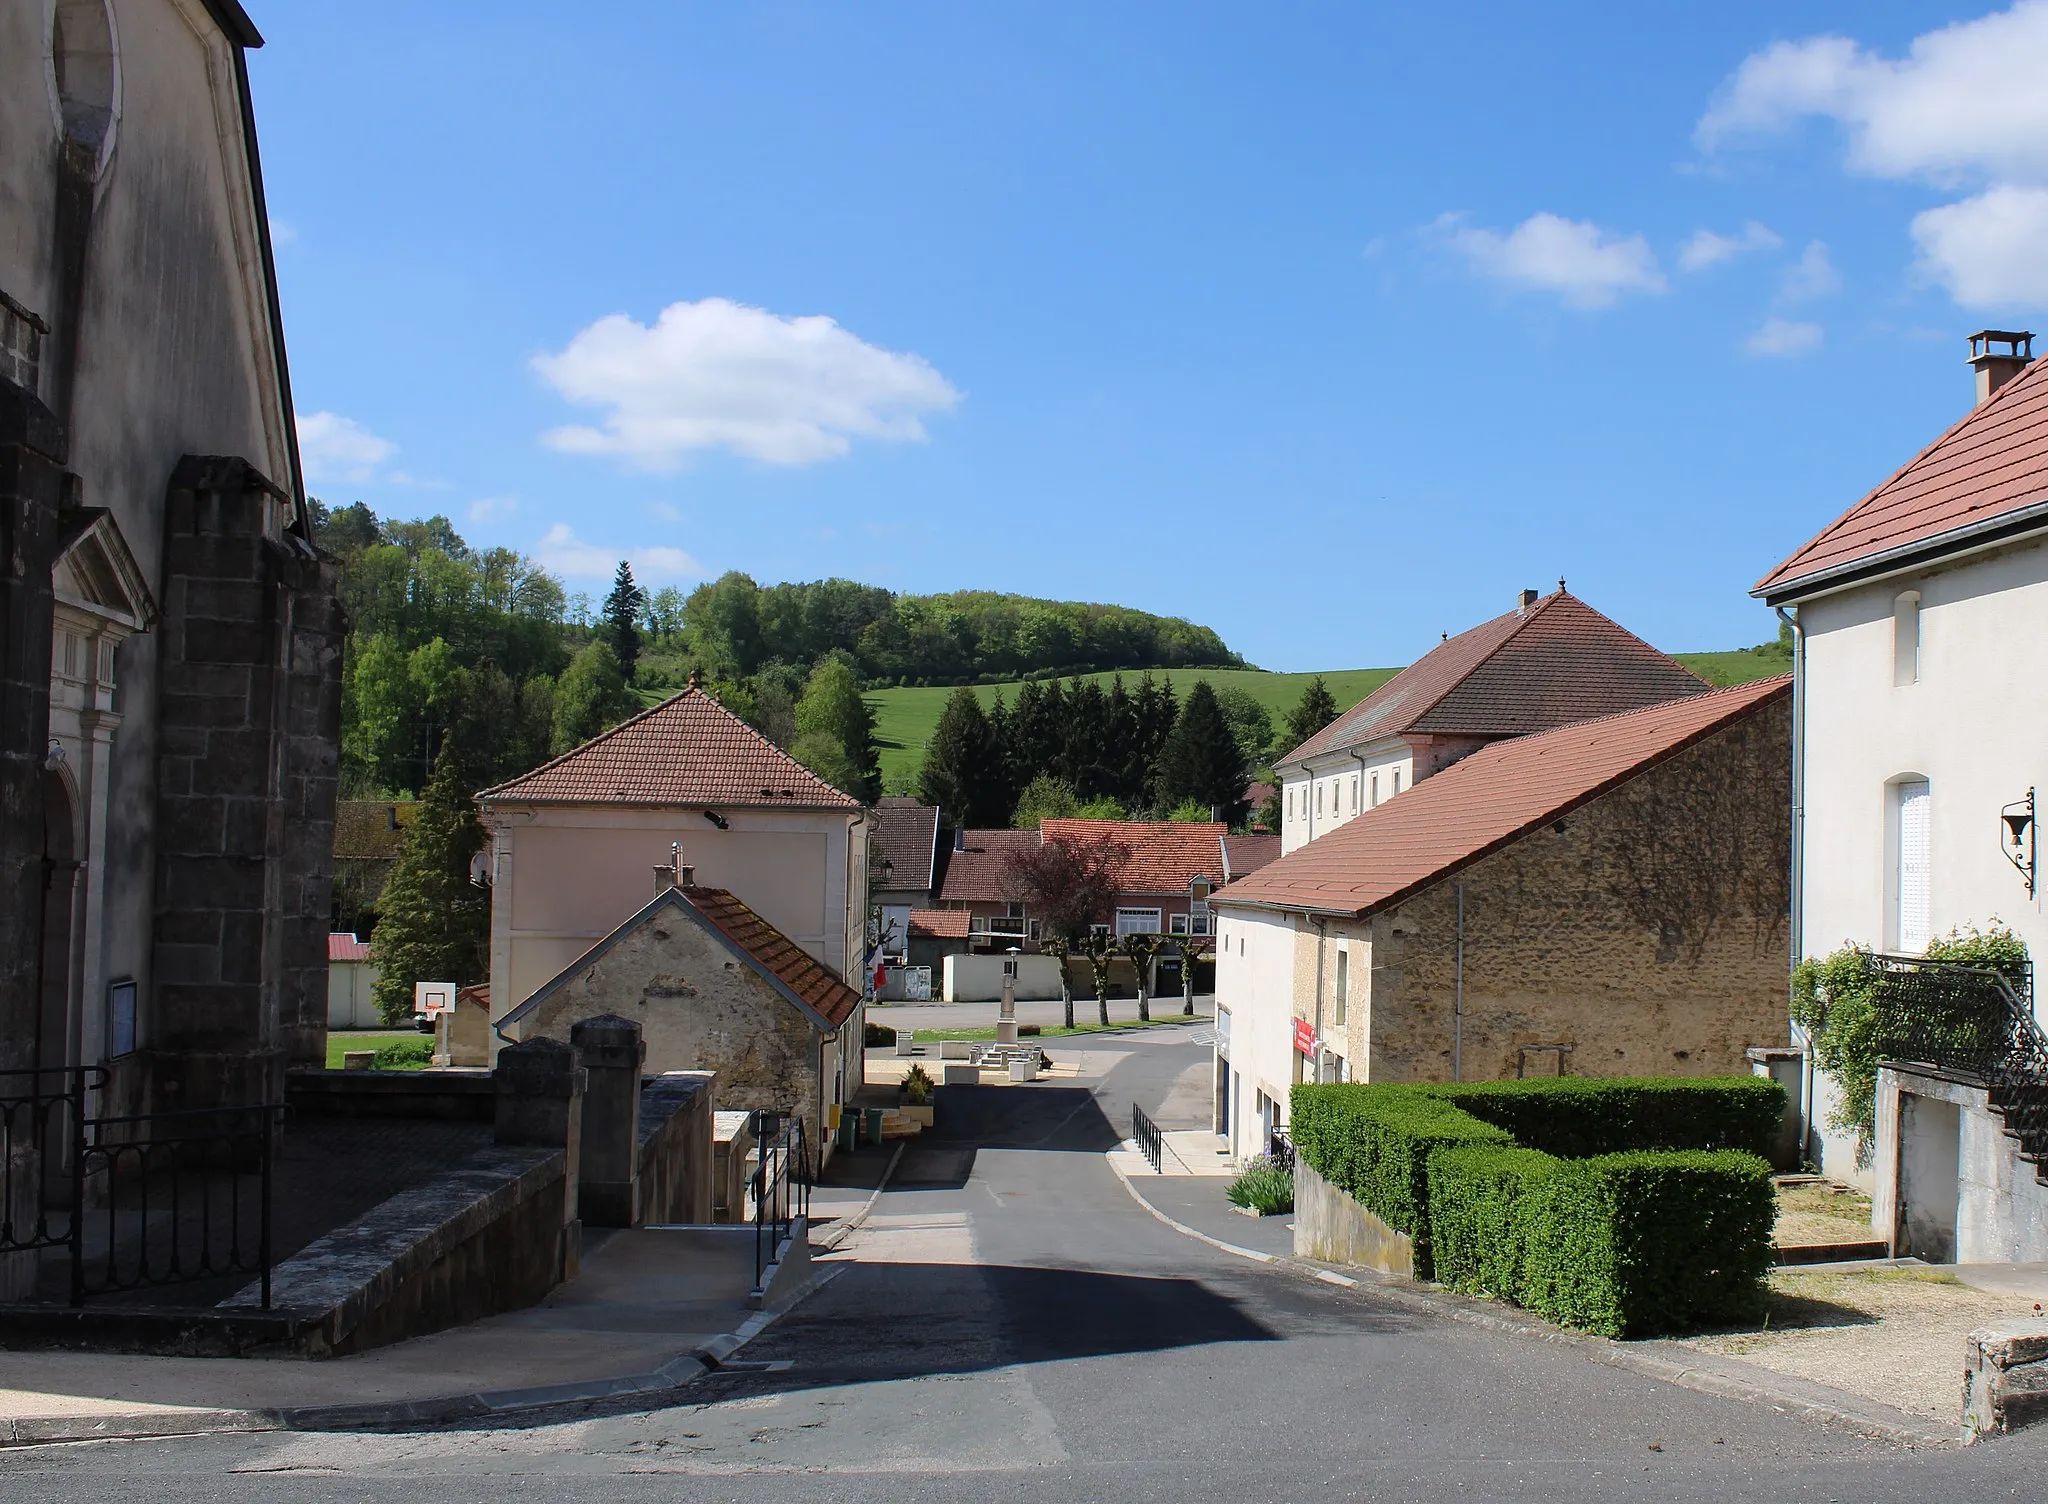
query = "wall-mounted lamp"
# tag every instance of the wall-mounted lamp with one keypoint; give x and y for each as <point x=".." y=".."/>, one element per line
<point x="717" y="819"/>
<point x="2016" y="837"/>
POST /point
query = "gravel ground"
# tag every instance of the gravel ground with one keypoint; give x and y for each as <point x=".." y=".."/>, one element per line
<point x="1822" y="1214"/>
<point x="1893" y="1335"/>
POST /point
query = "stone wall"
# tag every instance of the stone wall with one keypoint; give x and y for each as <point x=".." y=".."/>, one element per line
<point x="1948" y="1184"/>
<point x="1646" y="929"/>
<point x="1334" y="1228"/>
<point x="676" y="1149"/>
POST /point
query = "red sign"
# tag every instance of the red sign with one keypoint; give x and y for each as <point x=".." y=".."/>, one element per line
<point x="1304" y="1037"/>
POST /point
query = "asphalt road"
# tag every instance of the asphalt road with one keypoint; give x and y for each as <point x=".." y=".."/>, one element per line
<point x="1010" y="1324"/>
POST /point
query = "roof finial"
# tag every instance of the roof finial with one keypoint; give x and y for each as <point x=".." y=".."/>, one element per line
<point x="1560" y="584"/>
<point x="696" y="676"/>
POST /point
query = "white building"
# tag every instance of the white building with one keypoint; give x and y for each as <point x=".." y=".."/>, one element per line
<point x="1921" y="660"/>
<point x="1547" y="663"/>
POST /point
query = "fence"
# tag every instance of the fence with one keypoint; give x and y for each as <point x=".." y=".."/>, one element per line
<point x="1146" y="1132"/>
<point x="135" y="1202"/>
<point x="1976" y="1020"/>
<point x="782" y="1184"/>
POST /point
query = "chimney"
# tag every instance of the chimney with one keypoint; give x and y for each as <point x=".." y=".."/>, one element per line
<point x="686" y="876"/>
<point x="1995" y="367"/>
<point x="666" y="877"/>
<point x="959" y="838"/>
<point x="1525" y="600"/>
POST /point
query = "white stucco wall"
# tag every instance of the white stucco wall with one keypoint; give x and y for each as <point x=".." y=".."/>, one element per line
<point x="1331" y="791"/>
<point x="1254" y="983"/>
<point x="1973" y="723"/>
<point x="564" y="877"/>
<point x="979" y="979"/>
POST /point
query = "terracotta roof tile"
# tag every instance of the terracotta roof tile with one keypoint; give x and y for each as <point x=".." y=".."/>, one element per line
<point x="1165" y="855"/>
<point x="776" y="952"/>
<point x="980" y="872"/>
<point x="342" y="946"/>
<point x="1556" y="662"/>
<point x="1482" y="803"/>
<point x="939" y="924"/>
<point x="906" y="835"/>
<point x="1244" y="855"/>
<point x="1992" y="463"/>
<point x="686" y="750"/>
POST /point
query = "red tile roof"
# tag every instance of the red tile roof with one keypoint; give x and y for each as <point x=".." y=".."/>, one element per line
<point x="980" y="872"/>
<point x="1244" y="855"/>
<point x="776" y="953"/>
<point x="1164" y="854"/>
<point x="342" y="946"/>
<point x="939" y="924"/>
<point x="686" y="750"/>
<point x="1991" y="465"/>
<point x="906" y="837"/>
<point x="1556" y="662"/>
<point x="1483" y="803"/>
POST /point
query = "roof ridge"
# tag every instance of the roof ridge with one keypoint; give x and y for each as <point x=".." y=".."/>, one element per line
<point x="2003" y="394"/>
<point x="601" y="737"/>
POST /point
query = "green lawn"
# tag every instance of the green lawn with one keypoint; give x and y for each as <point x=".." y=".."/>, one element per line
<point x="1738" y="667"/>
<point x="397" y="1049"/>
<point x="906" y="718"/>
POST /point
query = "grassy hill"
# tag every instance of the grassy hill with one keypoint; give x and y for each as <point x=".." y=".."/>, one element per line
<point x="906" y="718"/>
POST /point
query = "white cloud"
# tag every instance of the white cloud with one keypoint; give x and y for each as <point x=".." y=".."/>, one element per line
<point x="492" y="508"/>
<point x="719" y="375"/>
<point x="561" y="551"/>
<point x="667" y="511"/>
<point x="282" y="231"/>
<point x="1706" y="248"/>
<point x="1778" y="337"/>
<point x="1813" y="277"/>
<point x="1988" y="250"/>
<point x="337" y="449"/>
<point x="1588" y="266"/>
<point x="1965" y="100"/>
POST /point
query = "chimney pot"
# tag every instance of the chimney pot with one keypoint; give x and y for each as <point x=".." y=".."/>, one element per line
<point x="1995" y="367"/>
<point x="1525" y="600"/>
<point x="959" y="838"/>
<point x="686" y="876"/>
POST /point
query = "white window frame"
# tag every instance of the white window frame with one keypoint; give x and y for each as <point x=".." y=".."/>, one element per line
<point x="1906" y="639"/>
<point x="1137" y="922"/>
<point x="1912" y="843"/>
<point x="1341" y="992"/>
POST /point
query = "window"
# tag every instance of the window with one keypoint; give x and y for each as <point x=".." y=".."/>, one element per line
<point x="1319" y="798"/>
<point x="1354" y="793"/>
<point x="1290" y="804"/>
<point x="1343" y="981"/>
<point x="1195" y="922"/>
<point x="1914" y="889"/>
<point x="1375" y="790"/>
<point x="1906" y="638"/>
<point x="1397" y="780"/>
<point x="1137" y="921"/>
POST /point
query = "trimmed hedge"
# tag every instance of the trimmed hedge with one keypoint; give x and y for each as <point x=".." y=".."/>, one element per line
<point x="1651" y="1241"/>
<point x="1575" y="1117"/>
<point x="1478" y="1232"/>
<point x="1621" y="1207"/>
<point x="1374" y="1145"/>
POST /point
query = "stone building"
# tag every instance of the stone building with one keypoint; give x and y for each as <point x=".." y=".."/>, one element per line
<point x="1606" y="899"/>
<point x="1550" y="661"/>
<point x="688" y="781"/>
<point x="715" y="987"/>
<point x="169" y="637"/>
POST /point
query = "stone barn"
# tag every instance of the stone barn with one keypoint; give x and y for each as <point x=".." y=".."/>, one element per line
<point x="715" y="987"/>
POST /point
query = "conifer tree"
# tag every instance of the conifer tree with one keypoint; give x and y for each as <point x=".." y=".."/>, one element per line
<point x="622" y="610"/>
<point x="1315" y="710"/>
<point x="961" y="773"/>
<point x="433" y="924"/>
<point x="1201" y="760"/>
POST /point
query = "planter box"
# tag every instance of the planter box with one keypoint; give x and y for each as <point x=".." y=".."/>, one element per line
<point x="915" y="1113"/>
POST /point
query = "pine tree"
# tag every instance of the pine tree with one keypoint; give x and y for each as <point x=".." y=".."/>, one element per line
<point x="1088" y="759"/>
<point x="1201" y="760"/>
<point x="960" y="773"/>
<point x="433" y="924"/>
<point x="622" y="610"/>
<point x="1315" y="710"/>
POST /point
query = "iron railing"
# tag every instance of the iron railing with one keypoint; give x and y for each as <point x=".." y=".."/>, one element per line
<point x="782" y="1184"/>
<point x="138" y="1201"/>
<point x="1146" y="1132"/>
<point x="1975" y="1020"/>
<point x="1280" y="1148"/>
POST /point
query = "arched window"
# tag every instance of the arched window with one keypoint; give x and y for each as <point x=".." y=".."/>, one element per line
<point x="1906" y="638"/>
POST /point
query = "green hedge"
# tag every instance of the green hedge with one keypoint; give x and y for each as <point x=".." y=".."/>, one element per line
<point x="1622" y="1206"/>
<point x="1374" y="1144"/>
<point x="1632" y="1244"/>
<point x="1478" y="1232"/>
<point x="1576" y="1118"/>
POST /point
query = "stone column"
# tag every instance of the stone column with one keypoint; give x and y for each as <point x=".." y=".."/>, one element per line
<point x="610" y="1051"/>
<point x="540" y="1105"/>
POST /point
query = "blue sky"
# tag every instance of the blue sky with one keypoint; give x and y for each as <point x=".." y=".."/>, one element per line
<point x="1330" y="326"/>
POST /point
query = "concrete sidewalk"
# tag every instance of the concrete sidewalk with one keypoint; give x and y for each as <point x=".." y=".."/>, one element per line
<point x="651" y="1308"/>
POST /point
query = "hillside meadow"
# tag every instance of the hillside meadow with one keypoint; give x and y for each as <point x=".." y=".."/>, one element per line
<point x="906" y="718"/>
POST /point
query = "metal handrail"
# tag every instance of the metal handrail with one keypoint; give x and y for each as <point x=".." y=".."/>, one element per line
<point x="1973" y="1019"/>
<point x="1146" y="1132"/>
<point x="782" y="1185"/>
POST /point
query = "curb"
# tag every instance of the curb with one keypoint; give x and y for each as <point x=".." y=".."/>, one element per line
<point x="703" y="1359"/>
<point x="838" y="1235"/>
<point x="1696" y="1371"/>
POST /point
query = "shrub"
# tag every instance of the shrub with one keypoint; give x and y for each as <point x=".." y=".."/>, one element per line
<point x="1643" y="1242"/>
<point x="405" y="1055"/>
<point x="1374" y="1142"/>
<point x="878" y="1036"/>
<point x="1263" y="1187"/>
<point x="917" y="1085"/>
<point x="1478" y="1228"/>
<point x="1578" y="1117"/>
<point x="1029" y="1031"/>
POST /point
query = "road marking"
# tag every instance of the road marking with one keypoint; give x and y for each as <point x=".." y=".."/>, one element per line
<point x="1182" y="1227"/>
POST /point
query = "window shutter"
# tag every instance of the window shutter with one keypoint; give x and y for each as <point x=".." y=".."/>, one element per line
<point x="1915" y="898"/>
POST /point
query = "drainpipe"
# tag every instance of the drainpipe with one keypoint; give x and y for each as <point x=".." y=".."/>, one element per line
<point x="1795" y="925"/>
<point x="1458" y="1004"/>
<point x="1322" y="934"/>
<point x="1359" y="758"/>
